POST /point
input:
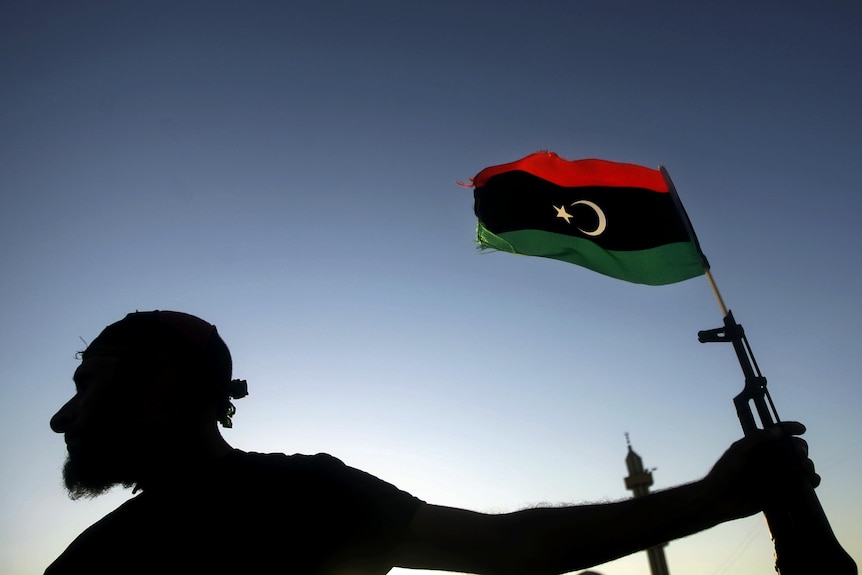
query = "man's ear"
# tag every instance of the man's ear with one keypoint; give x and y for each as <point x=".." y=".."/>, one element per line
<point x="173" y="400"/>
<point x="160" y="401"/>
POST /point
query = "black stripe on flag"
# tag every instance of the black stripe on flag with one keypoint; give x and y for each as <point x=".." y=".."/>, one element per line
<point x="635" y="218"/>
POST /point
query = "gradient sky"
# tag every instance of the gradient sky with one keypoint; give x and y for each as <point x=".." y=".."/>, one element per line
<point x="286" y="170"/>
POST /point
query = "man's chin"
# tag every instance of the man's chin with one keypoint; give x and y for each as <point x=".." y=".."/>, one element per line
<point x="88" y="481"/>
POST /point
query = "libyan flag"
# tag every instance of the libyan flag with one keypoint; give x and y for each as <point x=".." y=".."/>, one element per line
<point x="621" y="220"/>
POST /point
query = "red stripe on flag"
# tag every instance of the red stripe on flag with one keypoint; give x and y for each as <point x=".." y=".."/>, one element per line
<point x="576" y="173"/>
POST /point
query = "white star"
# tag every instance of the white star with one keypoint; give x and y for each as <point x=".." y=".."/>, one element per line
<point x="562" y="213"/>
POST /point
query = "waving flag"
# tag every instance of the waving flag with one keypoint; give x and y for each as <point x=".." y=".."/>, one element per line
<point x="621" y="220"/>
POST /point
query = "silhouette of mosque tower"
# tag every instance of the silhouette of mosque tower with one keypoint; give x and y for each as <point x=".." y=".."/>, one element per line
<point x="638" y="482"/>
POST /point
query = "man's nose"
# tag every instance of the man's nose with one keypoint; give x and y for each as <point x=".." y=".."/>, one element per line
<point x="63" y="418"/>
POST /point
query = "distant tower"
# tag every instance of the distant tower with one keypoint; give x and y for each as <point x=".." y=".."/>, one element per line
<point x="638" y="482"/>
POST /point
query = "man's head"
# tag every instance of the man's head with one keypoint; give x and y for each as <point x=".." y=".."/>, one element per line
<point x="148" y="383"/>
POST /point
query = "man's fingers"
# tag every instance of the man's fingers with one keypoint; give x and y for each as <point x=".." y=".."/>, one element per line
<point x="791" y="427"/>
<point x="800" y="446"/>
<point x="813" y="476"/>
<point x="800" y="450"/>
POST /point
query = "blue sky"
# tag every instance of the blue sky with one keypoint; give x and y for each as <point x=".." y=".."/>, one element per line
<point x="287" y="171"/>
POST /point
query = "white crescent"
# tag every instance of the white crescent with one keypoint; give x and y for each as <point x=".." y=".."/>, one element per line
<point x="603" y="221"/>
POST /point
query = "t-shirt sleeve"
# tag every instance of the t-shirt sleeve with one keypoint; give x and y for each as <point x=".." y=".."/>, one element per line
<point x="376" y="514"/>
<point x="348" y="515"/>
<point x="377" y="504"/>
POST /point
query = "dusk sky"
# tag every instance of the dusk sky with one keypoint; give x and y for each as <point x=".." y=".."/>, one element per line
<point x="287" y="171"/>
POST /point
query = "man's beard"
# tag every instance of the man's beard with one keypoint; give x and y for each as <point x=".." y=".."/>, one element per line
<point x="86" y="477"/>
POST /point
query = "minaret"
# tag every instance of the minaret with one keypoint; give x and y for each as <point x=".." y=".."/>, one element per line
<point x="638" y="482"/>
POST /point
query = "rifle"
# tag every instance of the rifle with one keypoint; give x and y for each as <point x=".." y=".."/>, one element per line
<point x="803" y="539"/>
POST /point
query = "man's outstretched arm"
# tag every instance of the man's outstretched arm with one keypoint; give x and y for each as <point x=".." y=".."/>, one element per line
<point x="544" y="541"/>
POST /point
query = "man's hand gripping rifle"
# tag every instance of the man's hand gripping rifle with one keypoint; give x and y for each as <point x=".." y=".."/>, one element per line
<point x="803" y="539"/>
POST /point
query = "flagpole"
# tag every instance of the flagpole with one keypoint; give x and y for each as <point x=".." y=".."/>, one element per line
<point x="715" y="292"/>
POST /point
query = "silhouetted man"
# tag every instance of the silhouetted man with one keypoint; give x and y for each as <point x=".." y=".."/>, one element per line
<point x="150" y="391"/>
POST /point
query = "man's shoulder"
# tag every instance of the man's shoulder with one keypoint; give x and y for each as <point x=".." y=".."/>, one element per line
<point x="251" y="461"/>
<point x="317" y="472"/>
<point x="287" y="472"/>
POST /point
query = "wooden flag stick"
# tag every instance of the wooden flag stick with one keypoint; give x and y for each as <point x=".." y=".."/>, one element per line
<point x="716" y="293"/>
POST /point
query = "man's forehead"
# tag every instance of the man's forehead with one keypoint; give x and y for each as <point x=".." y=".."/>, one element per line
<point x="95" y="366"/>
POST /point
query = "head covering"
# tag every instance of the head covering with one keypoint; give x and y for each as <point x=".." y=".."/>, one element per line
<point x="179" y="337"/>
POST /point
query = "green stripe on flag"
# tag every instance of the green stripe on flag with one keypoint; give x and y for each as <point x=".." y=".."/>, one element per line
<point x="666" y="264"/>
